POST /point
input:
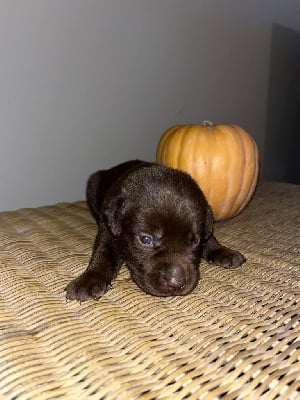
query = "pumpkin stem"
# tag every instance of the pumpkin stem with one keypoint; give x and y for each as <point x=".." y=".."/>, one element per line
<point x="207" y="123"/>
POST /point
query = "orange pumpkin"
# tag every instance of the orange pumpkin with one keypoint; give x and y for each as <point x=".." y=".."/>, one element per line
<point x="222" y="159"/>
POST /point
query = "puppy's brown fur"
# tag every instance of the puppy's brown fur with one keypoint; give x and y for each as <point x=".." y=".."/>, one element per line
<point x="155" y="220"/>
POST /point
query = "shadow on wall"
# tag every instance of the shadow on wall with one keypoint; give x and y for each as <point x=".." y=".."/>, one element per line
<point x="281" y="158"/>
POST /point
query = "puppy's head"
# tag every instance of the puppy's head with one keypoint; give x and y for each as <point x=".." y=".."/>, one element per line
<point x="159" y="220"/>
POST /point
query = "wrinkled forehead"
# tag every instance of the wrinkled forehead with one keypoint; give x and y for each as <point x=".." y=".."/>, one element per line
<point x="168" y="220"/>
<point x="169" y="224"/>
<point x="167" y="204"/>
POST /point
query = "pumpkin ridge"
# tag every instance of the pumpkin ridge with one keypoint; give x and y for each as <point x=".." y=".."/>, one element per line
<point x="167" y="157"/>
<point x="254" y="178"/>
<point x="214" y="199"/>
<point x="240" y="192"/>
<point x="225" y="208"/>
<point x="210" y="145"/>
<point x="181" y="153"/>
<point x="177" y="145"/>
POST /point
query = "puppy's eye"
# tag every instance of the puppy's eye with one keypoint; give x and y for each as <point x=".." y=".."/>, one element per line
<point x="146" y="240"/>
<point x="195" y="241"/>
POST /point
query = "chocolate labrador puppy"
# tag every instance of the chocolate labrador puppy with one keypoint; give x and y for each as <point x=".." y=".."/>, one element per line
<point x="155" y="220"/>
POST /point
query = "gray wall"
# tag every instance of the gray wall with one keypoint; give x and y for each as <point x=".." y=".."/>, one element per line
<point x="282" y="138"/>
<point x="87" y="84"/>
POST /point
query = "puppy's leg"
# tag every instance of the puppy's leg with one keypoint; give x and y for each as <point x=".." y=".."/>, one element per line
<point x="217" y="254"/>
<point x="102" y="269"/>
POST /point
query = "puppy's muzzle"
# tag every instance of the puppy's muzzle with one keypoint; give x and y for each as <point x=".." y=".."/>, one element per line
<point x="175" y="277"/>
<point x="167" y="279"/>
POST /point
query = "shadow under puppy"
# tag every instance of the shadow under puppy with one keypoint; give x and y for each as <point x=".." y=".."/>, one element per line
<point x="155" y="220"/>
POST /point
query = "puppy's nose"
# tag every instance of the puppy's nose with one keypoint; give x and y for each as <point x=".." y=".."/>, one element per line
<point x="175" y="277"/>
<point x="176" y="283"/>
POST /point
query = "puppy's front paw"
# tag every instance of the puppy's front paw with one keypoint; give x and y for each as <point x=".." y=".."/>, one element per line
<point x="87" y="286"/>
<point x="226" y="258"/>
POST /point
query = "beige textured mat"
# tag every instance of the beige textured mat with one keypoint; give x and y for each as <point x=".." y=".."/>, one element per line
<point x="236" y="337"/>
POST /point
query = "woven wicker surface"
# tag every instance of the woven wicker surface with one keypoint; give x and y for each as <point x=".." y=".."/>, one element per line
<point x="237" y="336"/>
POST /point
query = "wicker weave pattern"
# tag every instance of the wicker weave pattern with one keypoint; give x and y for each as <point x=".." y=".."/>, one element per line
<point x="236" y="337"/>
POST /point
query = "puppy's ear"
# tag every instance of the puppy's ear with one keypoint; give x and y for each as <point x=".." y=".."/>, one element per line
<point x="209" y="222"/>
<point x="113" y="214"/>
